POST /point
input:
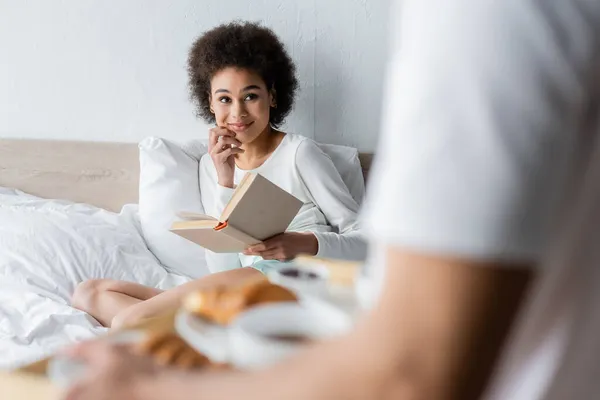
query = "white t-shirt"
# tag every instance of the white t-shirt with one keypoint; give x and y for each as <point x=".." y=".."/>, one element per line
<point x="299" y="166"/>
<point x="490" y="135"/>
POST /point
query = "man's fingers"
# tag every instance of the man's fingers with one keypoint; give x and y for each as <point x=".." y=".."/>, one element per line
<point x="75" y="392"/>
<point x="95" y="352"/>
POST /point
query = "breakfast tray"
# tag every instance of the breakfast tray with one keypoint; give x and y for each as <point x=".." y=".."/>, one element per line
<point x="30" y="381"/>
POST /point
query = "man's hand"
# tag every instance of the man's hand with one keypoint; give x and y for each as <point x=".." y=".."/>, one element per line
<point x="112" y="372"/>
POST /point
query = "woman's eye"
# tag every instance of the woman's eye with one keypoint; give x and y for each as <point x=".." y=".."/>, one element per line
<point x="251" y="96"/>
<point x="224" y="100"/>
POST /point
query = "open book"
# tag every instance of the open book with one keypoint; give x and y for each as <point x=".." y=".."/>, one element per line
<point x="258" y="210"/>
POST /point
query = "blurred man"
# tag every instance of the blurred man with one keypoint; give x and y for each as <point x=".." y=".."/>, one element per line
<point x="486" y="188"/>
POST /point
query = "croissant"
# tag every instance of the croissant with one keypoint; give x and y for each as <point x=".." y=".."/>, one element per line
<point x="167" y="348"/>
<point x="222" y="304"/>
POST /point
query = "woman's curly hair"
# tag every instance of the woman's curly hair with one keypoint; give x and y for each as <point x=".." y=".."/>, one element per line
<point x="244" y="45"/>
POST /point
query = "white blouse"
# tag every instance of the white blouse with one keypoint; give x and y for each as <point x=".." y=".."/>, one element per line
<point x="301" y="168"/>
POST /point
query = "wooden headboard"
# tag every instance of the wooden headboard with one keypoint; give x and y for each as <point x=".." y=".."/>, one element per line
<point x="103" y="174"/>
<point x="99" y="173"/>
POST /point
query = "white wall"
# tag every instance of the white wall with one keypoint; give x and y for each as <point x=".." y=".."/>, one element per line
<point x="114" y="70"/>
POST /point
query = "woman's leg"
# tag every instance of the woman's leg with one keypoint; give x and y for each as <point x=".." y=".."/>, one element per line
<point x="105" y="298"/>
<point x="170" y="300"/>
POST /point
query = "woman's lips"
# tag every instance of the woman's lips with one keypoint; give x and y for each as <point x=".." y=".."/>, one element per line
<point x="240" y="127"/>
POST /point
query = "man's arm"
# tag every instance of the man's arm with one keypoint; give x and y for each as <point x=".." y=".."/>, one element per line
<point x="450" y="318"/>
<point x="435" y="334"/>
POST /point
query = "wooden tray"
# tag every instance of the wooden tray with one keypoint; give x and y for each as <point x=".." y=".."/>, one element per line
<point x="31" y="382"/>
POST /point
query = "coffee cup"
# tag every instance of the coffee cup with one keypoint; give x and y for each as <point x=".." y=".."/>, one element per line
<point x="267" y="334"/>
<point x="312" y="280"/>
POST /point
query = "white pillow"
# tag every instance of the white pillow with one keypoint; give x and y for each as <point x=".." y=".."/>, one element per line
<point x="347" y="163"/>
<point x="168" y="184"/>
<point x="49" y="246"/>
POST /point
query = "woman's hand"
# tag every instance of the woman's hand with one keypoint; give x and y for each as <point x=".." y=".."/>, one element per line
<point x="223" y="155"/>
<point x="285" y="246"/>
<point x="112" y="373"/>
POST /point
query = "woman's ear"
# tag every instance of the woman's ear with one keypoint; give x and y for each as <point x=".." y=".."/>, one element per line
<point x="210" y="102"/>
<point x="273" y="98"/>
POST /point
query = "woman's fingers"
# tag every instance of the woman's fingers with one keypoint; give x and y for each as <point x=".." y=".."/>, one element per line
<point x="213" y="138"/>
<point x="221" y="154"/>
<point x="273" y="245"/>
<point x="268" y="245"/>
<point x="278" y="255"/>
<point x="228" y="152"/>
<point x="227" y="141"/>
<point x="257" y="248"/>
<point x="224" y="148"/>
<point x="216" y="134"/>
<point x="273" y="252"/>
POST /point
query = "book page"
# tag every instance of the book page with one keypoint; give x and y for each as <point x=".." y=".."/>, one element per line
<point x="195" y="224"/>
<point x="192" y="216"/>
<point x="210" y="239"/>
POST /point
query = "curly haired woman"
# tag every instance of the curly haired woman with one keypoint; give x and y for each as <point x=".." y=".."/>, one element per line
<point x="243" y="81"/>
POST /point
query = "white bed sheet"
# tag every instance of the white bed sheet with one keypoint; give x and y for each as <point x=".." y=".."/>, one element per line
<point x="46" y="248"/>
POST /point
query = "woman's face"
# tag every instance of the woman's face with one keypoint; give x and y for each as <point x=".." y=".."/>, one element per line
<point x="240" y="102"/>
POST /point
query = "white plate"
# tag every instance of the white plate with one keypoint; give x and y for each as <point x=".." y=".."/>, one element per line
<point x="215" y="340"/>
<point x="206" y="337"/>
<point x="63" y="371"/>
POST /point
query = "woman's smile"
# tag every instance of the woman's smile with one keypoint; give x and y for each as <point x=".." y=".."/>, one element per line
<point x="239" y="126"/>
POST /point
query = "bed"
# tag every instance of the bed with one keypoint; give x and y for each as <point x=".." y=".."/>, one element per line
<point x="102" y="178"/>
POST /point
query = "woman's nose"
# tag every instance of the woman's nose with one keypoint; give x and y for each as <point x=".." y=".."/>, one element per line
<point x="239" y="110"/>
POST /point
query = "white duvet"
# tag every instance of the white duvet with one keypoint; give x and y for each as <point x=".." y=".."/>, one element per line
<point x="46" y="248"/>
